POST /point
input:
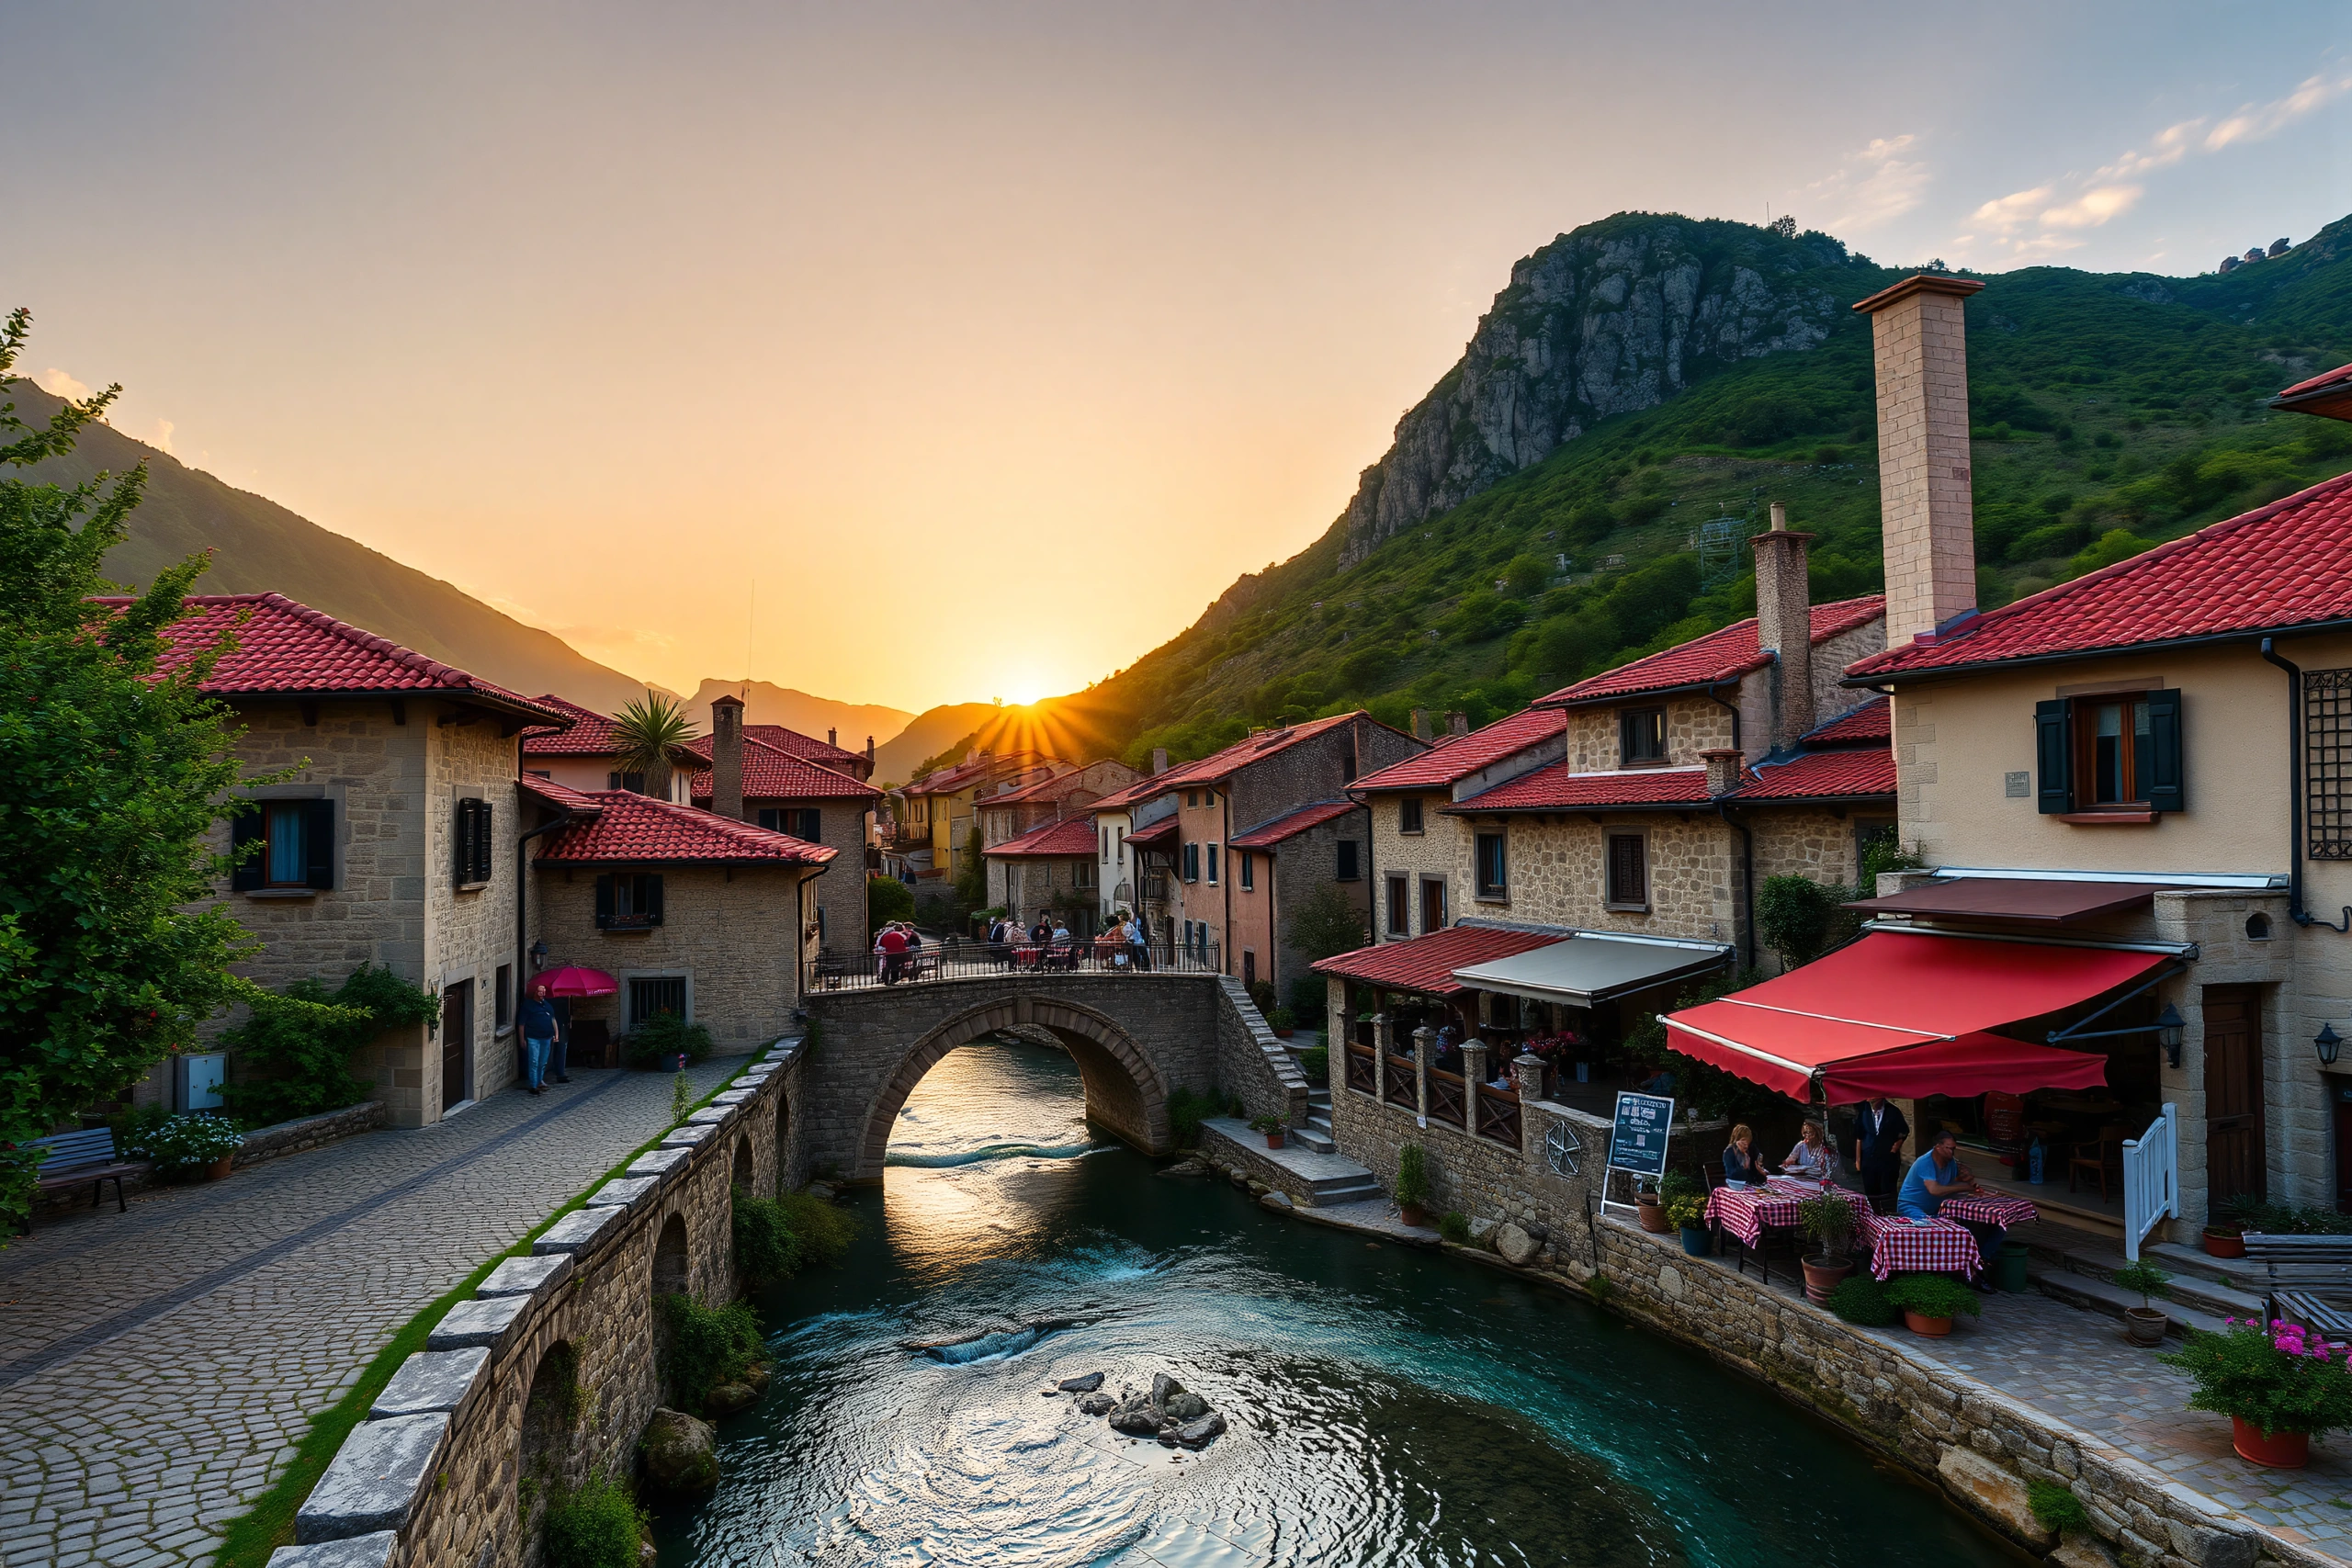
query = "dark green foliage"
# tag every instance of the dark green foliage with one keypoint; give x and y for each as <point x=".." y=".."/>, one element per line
<point x="1412" y="1174"/>
<point x="1861" y="1300"/>
<point x="1186" y="1112"/>
<point x="1326" y="923"/>
<point x="665" y="1034"/>
<point x="766" y="1250"/>
<point x="2265" y="1379"/>
<point x="1702" y="1084"/>
<point x="2266" y="1218"/>
<point x="1932" y="1295"/>
<point x="1800" y="918"/>
<point x="886" y="899"/>
<point x="295" y="1051"/>
<point x="824" y="1230"/>
<point x="1309" y="1000"/>
<point x="1675" y="1185"/>
<point x="2056" y="1507"/>
<point x="1454" y="1227"/>
<point x="1316" y="1063"/>
<point x="703" y="1346"/>
<point x="972" y="876"/>
<point x="599" y="1526"/>
<point x="112" y="950"/>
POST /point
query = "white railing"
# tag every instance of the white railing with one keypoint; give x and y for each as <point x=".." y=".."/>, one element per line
<point x="2151" y="1180"/>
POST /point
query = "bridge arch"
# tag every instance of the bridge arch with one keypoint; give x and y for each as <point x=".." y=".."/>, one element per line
<point x="1124" y="1091"/>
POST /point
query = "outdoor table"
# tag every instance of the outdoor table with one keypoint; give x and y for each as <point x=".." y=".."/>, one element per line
<point x="1746" y="1212"/>
<point x="1998" y="1209"/>
<point x="1938" y="1246"/>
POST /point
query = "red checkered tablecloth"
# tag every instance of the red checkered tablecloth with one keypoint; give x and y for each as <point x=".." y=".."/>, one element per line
<point x="1939" y="1247"/>
<point x="1991" y="1209"/>
<point x="1744" y="1212"/>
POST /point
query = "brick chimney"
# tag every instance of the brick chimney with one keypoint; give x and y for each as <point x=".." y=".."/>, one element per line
<point x="1159" y="760"/>
<point x="726" y="756"/>
<point x="1784" y="625"/>
<point x="1723" y="769"/>
<point x="832" y="737"/>
<point x="869" y="756"/>
<point x="1457" y="723"/>
<point x="1422" y="731"/>
<point x="1926" y="516"/>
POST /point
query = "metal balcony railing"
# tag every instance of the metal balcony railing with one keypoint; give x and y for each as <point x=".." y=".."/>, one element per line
<point x="957" y="959"/>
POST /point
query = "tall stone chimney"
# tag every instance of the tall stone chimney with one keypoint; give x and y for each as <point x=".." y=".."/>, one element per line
<point x="1457" y="723"/>
<point x="1421" y="730"/>
<point x="1926" y="516"/>
<point x="1723" y="770"/>
<point x="1784" y="625"/>
<point x="869" y="756"/>
<point x="1159" y="760"/>
<point x="832" y="737"/>
<point x="726" y="756"/>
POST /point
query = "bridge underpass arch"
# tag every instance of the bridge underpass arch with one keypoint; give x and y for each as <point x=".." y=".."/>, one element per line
<point x="1124" y="1091"/>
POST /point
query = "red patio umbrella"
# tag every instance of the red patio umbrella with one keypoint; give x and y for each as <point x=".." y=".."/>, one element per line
<point x="573" y="981"/>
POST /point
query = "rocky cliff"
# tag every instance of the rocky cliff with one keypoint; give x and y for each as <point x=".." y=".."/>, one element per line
<point x="1615" y="316"/>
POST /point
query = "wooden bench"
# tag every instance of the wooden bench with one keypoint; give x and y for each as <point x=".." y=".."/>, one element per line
<point x="68" y="1159"/>
<point x="2310" y="1278"/>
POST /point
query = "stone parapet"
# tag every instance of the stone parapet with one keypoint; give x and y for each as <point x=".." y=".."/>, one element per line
<point x="309" y="1131"/>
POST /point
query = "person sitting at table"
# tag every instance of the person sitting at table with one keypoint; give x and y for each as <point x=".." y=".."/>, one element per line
<point x="1934" y="1175"/>
<point x="1740" y="1161"/>
<point x="1661" y="1083"/>
<point x="1814" y="1157"/>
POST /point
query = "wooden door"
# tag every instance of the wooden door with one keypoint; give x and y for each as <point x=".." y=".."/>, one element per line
<point x="456" y="1033"/>
<point x="2233" y="1140"/>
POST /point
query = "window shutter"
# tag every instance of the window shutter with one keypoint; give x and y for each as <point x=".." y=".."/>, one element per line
<point x="487" y="840"/>
<point x="461" y="842"/>
<point x="653" y="901"/>
<point x="248" y="828"/>
<point x="605" y="902"/>
<point x="318" y="844"/>
<point x="2168" y="781"/>
<point x="812" y="826"/>
<point x="612" y="781"/>
<point x="2050" y="754"/>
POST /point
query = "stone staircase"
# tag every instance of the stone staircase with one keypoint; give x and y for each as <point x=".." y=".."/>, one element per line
<point x="1316" y="1134"/>
<point x="2078" y="1268"/>
<point x="1318" y="1176"/>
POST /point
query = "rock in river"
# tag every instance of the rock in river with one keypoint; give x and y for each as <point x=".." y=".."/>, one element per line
<point x="681" y="1453"/>
<point x="1187" y="1407"/>
<point x="1196" y="1434"/>
<point x="1096" y="1405"/>
<point x="1515" y="1244"/>
<point x="1136" y="1419"/>
<point x="1164" y="1388"/>
<point x="1086" y="1384"/>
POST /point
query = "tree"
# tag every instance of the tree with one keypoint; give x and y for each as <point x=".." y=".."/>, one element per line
<point x="112" y="947"/>
<point x="972" y="876"/>
<point x="648" y="730"/>
<point x="1326" y="923"/>
<point x="886" y="899"/>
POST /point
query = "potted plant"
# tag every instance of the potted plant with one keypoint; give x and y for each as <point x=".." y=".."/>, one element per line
<point x="1412" y="1184"/>
<point x="2145" y="1323"/>
<point x="182" y="1148"/>
<point x="1649" y="1207"/>
<point x="1827" y="1221"/>
<point x="1283" y="1022"/>
<point x="2278" y="1387"/>
<point x="1687" y="1213"/>
<point x="1929" y="1301"/>
<point x="2224" y="1235"/>
<point x="1271" y="1125"/>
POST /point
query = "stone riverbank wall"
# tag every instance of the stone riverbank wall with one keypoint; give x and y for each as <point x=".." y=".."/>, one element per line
<point x="548" y="1375"/>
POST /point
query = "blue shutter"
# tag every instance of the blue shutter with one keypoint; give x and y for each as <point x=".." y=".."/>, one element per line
<point x="317" y="845"/>
<point x="243" y="830"/>
<point x="2052" y="757"/>
<point x="2168" y="780"/>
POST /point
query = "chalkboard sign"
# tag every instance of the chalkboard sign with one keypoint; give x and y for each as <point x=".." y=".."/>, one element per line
<point x="1637" y="1143"/>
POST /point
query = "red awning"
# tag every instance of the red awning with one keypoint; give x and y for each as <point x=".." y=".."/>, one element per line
<point x="1905" y="1013"/>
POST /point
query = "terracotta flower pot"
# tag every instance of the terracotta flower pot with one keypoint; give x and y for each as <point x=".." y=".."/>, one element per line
<point x="1274" y="1140"/>
<point x="1653" y="1214"/>
<point x="1822" y="1275"/>
<point x="2224" y="1243"/>
<point x="1284" y="1034"/>
<point x="2280" y="1451"/>
<point x="1931" y="1327"/>
<point x="1413" y="1213"/>
<point x="2144" y="1325"/>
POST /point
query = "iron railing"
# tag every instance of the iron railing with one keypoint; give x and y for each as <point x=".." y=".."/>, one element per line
<point x="957" y="959"/>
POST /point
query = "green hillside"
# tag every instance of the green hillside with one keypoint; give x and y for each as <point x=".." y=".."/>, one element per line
<point x="2112" y="411"/>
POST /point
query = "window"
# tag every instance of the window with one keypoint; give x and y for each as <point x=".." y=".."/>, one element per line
<point x="1628" y="871"/>
<point x="628" y="901"/>
<point x="1104" y="853"/>
<point x="1641" y="736"/>
<point x="1249" y="966"/>
<point x="1432" y="905"/>
<point x="1347" y="871"/>
<point x="297" y="839"/>
<point x="1409" y="815"/>
<point x="807" y="823"/>
<point x="1348" y="768"/>
<point x="1191" y="862"/>
<point x="1494" y="881"/>
<point x="1122" y="847"/>
<point x="1249" y="872"/>
<point x="2114" y="755"/>
<point x="1081" y="874"/>
<point x="633" y="782"/>
<point x="471" y="833"/>
<point x="1212" y="865"/>
<point x="504" y="992"/>
<point x="650" y="994"/>
<point x="1400" y="906"/>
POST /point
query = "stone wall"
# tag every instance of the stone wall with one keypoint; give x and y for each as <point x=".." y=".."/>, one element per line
<point x="468" y="930"/>
<point x="309" y="1131"/>
<point x="837" y="893"/>
<point x="1431" y="852"/>
<point x="1556" y="866"/>
<point x="1693" y="726"/>
<point x="454" y="1459"/>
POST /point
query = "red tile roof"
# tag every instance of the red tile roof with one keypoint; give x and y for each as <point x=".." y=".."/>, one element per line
<point x="1219" y="765"/>
<point x="1457" y="757"/>
<point x="1073" y="835"/>
<point x="1559" y="788"/>
<point x="2277" y="568"/>
<point x="591" y="735"/>
<point x="2328" y="395"/>
<point x="1874" y="720"/>
<point x="773" y="774"/>
<point x="1061" y="786"/>
<point x="1426" y="964"/>
<point x="1158" y="833"/>
<point x="1824" y="776"/>
<point x="284" y="649"/>
<point x="789" y="742"/>
<point x="1290" y="826"/>
<point x="947" y="781"/>
<point x="637" y="829"/>
<point x="1707" y="660"/>
<point x="580" y="802"/>
<point x="1137" y="793"/>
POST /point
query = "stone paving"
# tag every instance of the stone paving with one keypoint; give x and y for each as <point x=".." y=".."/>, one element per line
<point x="157" y="1368"/>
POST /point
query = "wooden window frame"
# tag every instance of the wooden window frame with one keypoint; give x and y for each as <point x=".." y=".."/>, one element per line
<point x="1610" y="901"/>
<point x="1627" y="755"/>
<point x="2066" y="742"/>
<point x="1399" y="906"/>
<point x="1499" y="890"/>
<point x="1409" y="815"/>
<point x="1444" y="896"/>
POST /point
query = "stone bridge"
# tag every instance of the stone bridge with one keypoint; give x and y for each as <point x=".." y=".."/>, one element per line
<point x="1137" y="1040"/>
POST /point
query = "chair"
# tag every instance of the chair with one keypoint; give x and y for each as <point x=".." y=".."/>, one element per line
<point x="2105" y="1154"/>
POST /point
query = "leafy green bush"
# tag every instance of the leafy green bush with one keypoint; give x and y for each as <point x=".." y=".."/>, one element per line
<point x="1279" y="1018"/>
<point x="2273" y="1378"/>
<point x="1859" y="1299"/>
<point x="180" y="1145"/>
<point x="824" y="1230"/>
<point x="665" y="1034"/>
<point x="706" y="1346"/>
<point x="1687" y="1212"/>
<point x="766" y="1250"/>
<point x="1316" y="1063"/>
<point x="296" y="1048"/>
<point x="1677" y="1186"/>
<point x="1798" y="919"/>
<point x="1309" y="1000"/>
<point x="1932" y="1295"/>
<point x="1454" y="1227"/>
<point x="886" y="899"/>
<point x="2056" y="1507"/>
<point x="599" y="1526"/>
<point x="1412" y="1175"/>
<point x="2266" y="1218"/>
<point x="1186" y="1112"/>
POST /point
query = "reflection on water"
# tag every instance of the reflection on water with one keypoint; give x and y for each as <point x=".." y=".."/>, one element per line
<point x="1388" y="1407"/>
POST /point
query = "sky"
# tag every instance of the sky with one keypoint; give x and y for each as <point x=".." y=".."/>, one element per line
<point x="919" y="354"/>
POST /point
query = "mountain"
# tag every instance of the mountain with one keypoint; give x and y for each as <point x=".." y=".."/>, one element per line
<point x="930" y="732"/>
<point x="1578" y="488"/>
<point x="258" y="546"/>
<point x="765" y="702"/>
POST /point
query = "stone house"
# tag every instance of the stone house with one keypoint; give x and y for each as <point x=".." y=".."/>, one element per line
<point x="585" y="753"/>
<point x="932" y="819"/>
<point x="1275" y="864"/>
<point x="1014" y="810"/>
<point x="1050" y="868"/>
<point x="753" y="780"/>
<point x="1133" y="828"/>
<point x="388" y="842"/>
<point x="693" y="912"/>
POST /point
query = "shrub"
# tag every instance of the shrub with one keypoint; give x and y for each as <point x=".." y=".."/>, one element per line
<point x="824" y="1230"/>
<point x="1186" y="1112"/>
<point x="1269" y="1122"/>
<point x="1454" y="1227"/>
<point x="1799" y="917"/>
<point x="681" y="1098"/>
<point x="1412" y="1175"/>
<point x="296" y="1046"/>
<point x="1599" y="1287"/>
<point x="666" y="1034"/>
<point x="766" y="1250"/>
<point x="178" y="1144"/>
<point x="1324" y="923"/>
<point x="1262" y="995"/>
<point x="2271" y="1377"/>
<point x="707" y="1345"/>
<point x="2056" y="1507"/>
<point x="886" y="899"/>
<point x="1279" y="1018"/>
<point x="1316" y="1063"/>
<point x="1687" y="1212"/>
<point x="1308" y="998"/>
<point x="1827" y="1221"/>
<point x="1677" y="1186"/>
<point x="1859" y="1299"/>
<point x="1932" y="1295"/>
<point x="599" y="1526"/>
<point x="2144" y="1279"/>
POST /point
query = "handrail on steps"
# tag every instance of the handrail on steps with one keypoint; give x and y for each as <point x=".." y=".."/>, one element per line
<point x="2151" y="1180"/>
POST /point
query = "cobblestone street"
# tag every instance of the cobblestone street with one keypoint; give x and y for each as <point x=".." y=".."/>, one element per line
<point x="156" y="1368"/>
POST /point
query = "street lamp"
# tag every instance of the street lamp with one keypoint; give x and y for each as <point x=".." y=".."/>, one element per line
<point x="539" y="954"/>
<point x="2169" y="1024"/>
<point x="2327" y="1042"/>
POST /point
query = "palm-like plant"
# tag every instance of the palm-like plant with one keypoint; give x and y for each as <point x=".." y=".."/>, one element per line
<point x="648" y="730"/>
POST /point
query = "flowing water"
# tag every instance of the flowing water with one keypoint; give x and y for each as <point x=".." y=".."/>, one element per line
<point x="1386" y="1406"/>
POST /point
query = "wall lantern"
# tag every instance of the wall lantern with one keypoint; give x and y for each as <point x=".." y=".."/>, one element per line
<point x="2169" y="1024"/>
<point x="2327" y="1042"/>
<point x="539" y="954"/>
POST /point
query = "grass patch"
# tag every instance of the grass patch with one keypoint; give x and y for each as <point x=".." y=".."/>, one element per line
<point x="597" y="1526"/>
<point x="2056" y="1507"/>
<point x="252" y="1535"/>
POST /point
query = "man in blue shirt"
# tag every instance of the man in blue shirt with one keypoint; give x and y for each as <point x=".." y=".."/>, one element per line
<point x="1934" y="1175"/>
<point x="538" y="1035"/>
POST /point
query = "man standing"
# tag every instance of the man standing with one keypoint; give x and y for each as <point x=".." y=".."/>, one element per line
<point x="1879" y="1132"/>
<point x="893" y="946"/>
<point x="538" y="1035"/>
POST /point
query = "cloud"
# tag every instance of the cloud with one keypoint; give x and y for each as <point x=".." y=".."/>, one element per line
<point x="58" y="384"/>
<point x="2254" y="121"/>
<point x="2010" y="213"/>
<point x="2171" y="146"/>
<point x="159" y="436"/>
<point x="2092" y="208"/>
<point x="1873" y="185"/>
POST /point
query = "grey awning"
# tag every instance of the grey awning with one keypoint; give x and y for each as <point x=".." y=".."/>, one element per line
<point x="1588" y="969"/>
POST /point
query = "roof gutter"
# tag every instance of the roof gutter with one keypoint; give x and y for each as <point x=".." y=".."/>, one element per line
<point x="2295" y="910"/>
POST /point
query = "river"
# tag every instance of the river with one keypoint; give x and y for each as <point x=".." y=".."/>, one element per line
<point x="1387" y="1406"/>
